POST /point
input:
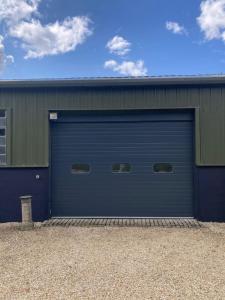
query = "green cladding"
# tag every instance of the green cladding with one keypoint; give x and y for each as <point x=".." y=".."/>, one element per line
<point x="28" y="110"/>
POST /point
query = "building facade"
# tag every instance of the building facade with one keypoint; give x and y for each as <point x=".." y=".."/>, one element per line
<point x="145" y="147"/>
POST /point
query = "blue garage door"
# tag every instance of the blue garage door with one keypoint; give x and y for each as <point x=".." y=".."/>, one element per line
<point x="136" y="164"/>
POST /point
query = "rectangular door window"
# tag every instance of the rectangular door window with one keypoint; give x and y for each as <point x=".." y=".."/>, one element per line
<point x="121" y="168"/>
<point x="162" y="168"/>
<point x="80" y="169"/>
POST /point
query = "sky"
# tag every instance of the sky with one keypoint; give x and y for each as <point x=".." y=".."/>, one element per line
<point x="91" y="38"/>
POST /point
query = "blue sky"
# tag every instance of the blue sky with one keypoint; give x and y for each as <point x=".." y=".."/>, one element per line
<point x="85" y="38"/>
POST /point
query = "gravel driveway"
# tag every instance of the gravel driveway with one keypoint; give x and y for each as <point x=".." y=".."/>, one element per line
<point x="112" y="263"/>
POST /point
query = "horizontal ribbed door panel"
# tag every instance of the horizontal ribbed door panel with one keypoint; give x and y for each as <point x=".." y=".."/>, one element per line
<point x="141" y="144"/>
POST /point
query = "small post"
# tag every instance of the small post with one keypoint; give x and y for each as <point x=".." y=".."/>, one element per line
<point x="26" y="207"/>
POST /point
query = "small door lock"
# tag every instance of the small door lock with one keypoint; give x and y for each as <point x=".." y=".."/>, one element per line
<point x="37" y="176"/>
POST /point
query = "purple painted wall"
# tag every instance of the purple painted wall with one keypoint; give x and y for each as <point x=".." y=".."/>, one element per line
<point x="211" y="194"/>
<point x="15" y="182"/>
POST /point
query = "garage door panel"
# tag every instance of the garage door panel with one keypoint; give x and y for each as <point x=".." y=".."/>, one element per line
<point x="141" y="192"/>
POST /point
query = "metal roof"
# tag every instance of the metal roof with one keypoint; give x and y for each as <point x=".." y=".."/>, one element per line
<point x="117" y="81"/>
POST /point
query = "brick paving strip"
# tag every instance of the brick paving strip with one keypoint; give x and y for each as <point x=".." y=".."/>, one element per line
<point x="123" y="222"/>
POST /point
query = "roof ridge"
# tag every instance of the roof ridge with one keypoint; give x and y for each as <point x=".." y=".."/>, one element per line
<point x="119" y="77"/>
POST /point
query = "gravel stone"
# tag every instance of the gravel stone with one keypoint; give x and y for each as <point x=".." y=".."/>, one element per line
<point x="112" y="263"/>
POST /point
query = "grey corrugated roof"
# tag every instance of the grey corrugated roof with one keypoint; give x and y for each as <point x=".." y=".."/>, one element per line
<point x="117" y="81"/>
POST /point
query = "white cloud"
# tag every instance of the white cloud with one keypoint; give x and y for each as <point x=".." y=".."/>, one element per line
<point x="212" y="19"/>
<point x="110" y="64"/>
<point x="127" y="68"/>
<point x="175" y="27"/>
<point x="37" y="39"/>
<point x="40" y="40"/>
<point x="12" y="11"/>
<point x="118" y="45"/>
<point x="4" y="59"/>
<point x="9" y="59"/>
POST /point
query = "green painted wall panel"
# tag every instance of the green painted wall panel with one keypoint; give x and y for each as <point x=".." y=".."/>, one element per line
<point x="30" y="126"/>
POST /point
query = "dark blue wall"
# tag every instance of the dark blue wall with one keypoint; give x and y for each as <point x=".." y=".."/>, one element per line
<point x="15" y="182"/>
<point x="211" y="194"/>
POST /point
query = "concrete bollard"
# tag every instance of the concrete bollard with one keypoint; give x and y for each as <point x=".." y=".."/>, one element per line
<point x="26" y="208"/>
